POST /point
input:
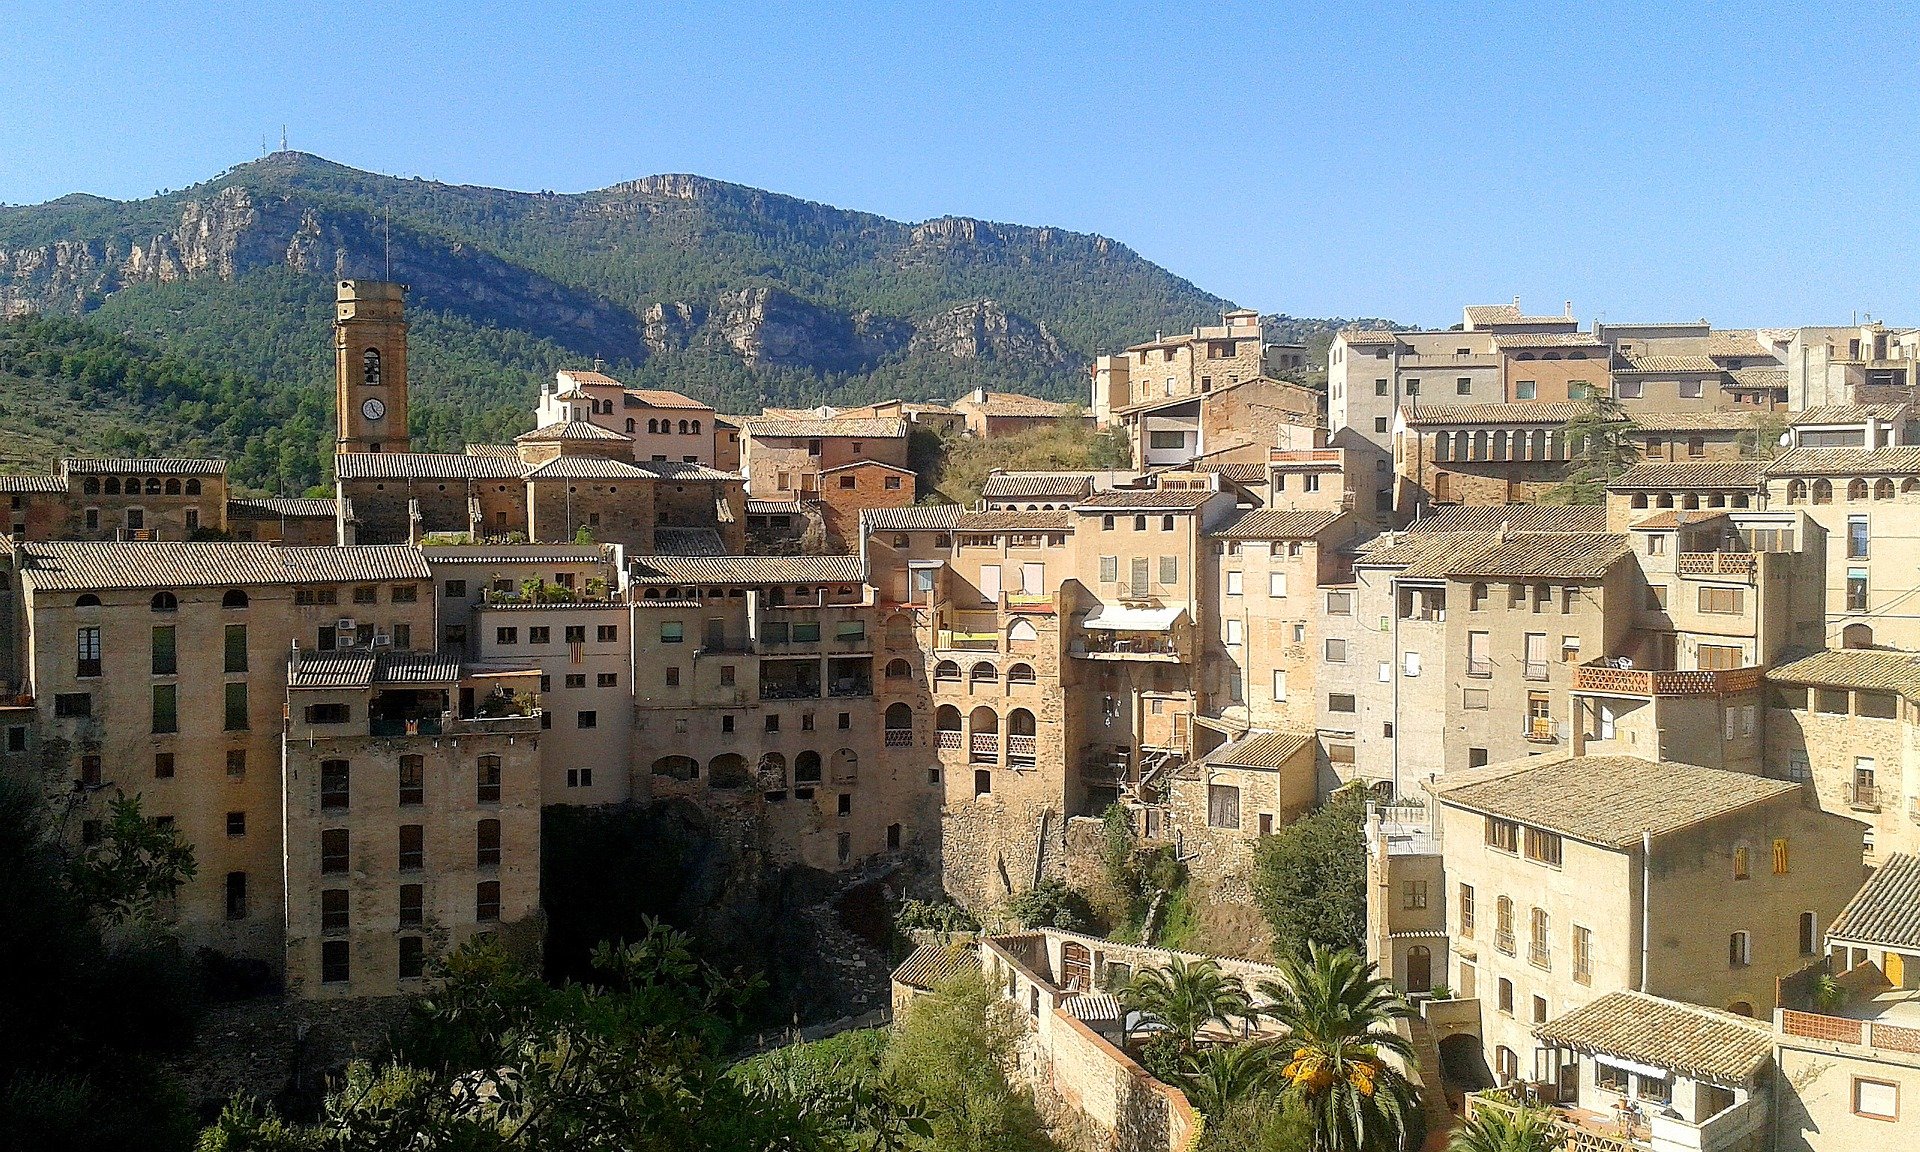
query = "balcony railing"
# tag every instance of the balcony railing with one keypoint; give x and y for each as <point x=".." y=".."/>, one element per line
<point x="969" y="641"/>
<point x="1539" y="730"/>
<point x="1572" y="1137"/>
<point x="1022" y="747"/>
<point x="16" y="700"/>
<point x="949" y="739"/>
<point x="1539" y="954"/>
<point x="1602" y="680"/>
<point x="1716" y="564"/>
<point x="1029" y="602"/>
<point x="1839" y="1030"/>
<point x="900" y="737"/>
<point x="985" y="747"/>
<point x="851" y="688"/>
<point x="789" y="691"/>
<point x="1863" y="797"/>
<point x="421" y="726"/>
<point x="1503" y="942"/>
<point x="1480" y="668"/>
<point x="1095" y="643"/>
<point x="1534" y="669"/>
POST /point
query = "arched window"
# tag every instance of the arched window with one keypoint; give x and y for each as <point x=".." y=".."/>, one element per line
<point x="677" y="767"/>
<point x="946" y="670"/>
<point x="653" y="426"/>
<point x="728" y="770"/>
<point x="1480" y="445"/>
<point x="486" y="843"/>
<point x="164" y="602"/>
<point x="1540" y="445"/>
<point x="1822" y="492"/>
<point x="683" y="427"/>
<point x="1665" y="500"/>
<point x="113" y="486"/>
<point x="90" y="486"/>
<point x="1910" y="485"/>
<point x="631" y="424"/>
<point x="1690" y="500"/>
<point x="946" y="727"/>
<point x="1717" y="500"/>
<point x="983" y="673"/>
<point x="1419" y="969"/>
<point x="696" y="427"/>
<point x="773" y="772"/>
<point x="1796" y="491"/>
<point x="1856" y="636"/>
<point x="153" y="485"/>
<point x="87" y="600"/>
<point x="1442" y="445"/>
<point x="370" y="366"/>
<point x="193" y="486"/>
<point x="1021" y="634"/>
<point x="1739" y="499"/>
<point x="846" y="766"/>
<point x="900" y="716"/>
<point x="984" y="722"/>
<point x="1020" y="723"/>
<point x="806" y="767"/>
<point x="1021" y="674"/>
<point x="235" y="598"/>
<point x="1883" y="489"/>
<point x="173" y="486"/>
<point x="899" y="670"/>
<point x="1500" y="445"/>
<point x="1857" y="489"/>
<point x="1639" y="499"/>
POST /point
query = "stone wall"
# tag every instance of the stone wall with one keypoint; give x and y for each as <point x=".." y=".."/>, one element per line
<point x="1127" y="1109"/>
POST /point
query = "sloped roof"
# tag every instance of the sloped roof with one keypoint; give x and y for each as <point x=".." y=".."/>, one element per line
<point x="1757" y="377"/>
<point x="588" y="468"/>
<point x="1368" y="336"/>
<point x="659" y="398"/>
<point x="1886" y="911"/>
<point x="931" y="965"/>
<point x="777" y="507"/>
<point x="1680" y="518"/>
<point x="1012" y="404"/>
<point x="497" y="451"/>
<point x="1277" y="524"/>
<point x="684" y="470"/>
<point x="916" y="516"/>
<point x="1849" y="414"/>
<point x="881" y="428"/>
<point x="1699" y="1043"/>
<point x="1744" y="474"/>
<point x="1695" y="421"/>
<point x="688" y="541"/>
<point x="1060" y="485"/>
<point x="1868" y="668"/>
<point x="1261" y="750"/>
<point x="143" y="466"/>
<point x="275" y="507"/>
<point x="569" y="430"/>
<point x="1170" y="499"/>
<point x="93" y="565"/>
<point x="749" y="569"/>
<point x="425" y="466"/>
<point x="1014" y="520"/>
<point x="1517" y="518"/>
<point x="1492" y="414"/>
<point x="1667" y="364"/>
<point x="18" y="484"/>
<point x="515" y="554"/>
<point x="1573" y="339"/>
<point x="589" y="376"/>
<point x="1606" y="800"/>
<point x="1524" y="555"/>
<point x="1847" y="462"/>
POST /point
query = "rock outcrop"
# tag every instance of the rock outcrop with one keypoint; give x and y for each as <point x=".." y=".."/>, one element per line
<point x="983" y="330"/>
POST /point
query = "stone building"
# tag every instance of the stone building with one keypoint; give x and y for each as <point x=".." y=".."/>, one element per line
<point x="851" y="489"/>
<point x="990" y="414"/>
<point x="658" y="424"/>
<point x="1185" y="364"/>
<point x="370" y="366"/>
<point x="1236" y="422"/>
<point x="783" y="458"/>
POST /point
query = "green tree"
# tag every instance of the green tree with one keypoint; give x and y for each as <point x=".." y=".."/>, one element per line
<point x="1052" y="904"/>
<point x="1309" y="878"/>
<point x="135" y="863"/>
<point x="1339" y="1021"/>
<point x="952" y="1051"/>
<point x="1761" y="441"/>
<point x="1526" y="1129"/>
<point x="1600" y="446"/>
<point x="1185" y="997"/>
<point x="1218" y="1079"/>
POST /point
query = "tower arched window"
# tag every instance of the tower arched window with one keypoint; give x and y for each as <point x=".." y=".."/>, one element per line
<point x="370" y="366"/>
<point x="653" y="426"/>
<point x="696" y="427"/>
<point x="630" y="424"/>
<point x="683" y="427"/>
<point x="193" y="487"/>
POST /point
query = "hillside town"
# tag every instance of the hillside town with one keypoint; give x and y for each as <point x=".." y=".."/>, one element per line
<point x="1609" y="630"/>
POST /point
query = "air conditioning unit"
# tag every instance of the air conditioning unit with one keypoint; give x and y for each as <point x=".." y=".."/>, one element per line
<point x="383" y="639"/>
<point x="346" y="624"/>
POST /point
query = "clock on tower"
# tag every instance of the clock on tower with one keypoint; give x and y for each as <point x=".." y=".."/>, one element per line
<point x="370" y="366"/>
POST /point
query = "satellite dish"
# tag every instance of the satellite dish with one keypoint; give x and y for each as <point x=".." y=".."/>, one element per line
<point x="1785" y="437"/>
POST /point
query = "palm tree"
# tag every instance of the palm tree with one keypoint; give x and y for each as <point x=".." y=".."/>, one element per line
<point x="1339" y="1019"/>
<point x="1497" y="1130"/>
<point x="1185" y="997"/>
<point x="1216" y="1079"/>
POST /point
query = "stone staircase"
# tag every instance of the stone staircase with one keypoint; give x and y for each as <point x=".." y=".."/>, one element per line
<point x="1426" y="1059"/>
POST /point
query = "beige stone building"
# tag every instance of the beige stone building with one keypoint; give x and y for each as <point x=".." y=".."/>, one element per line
<point x="784" y="457"/>
<point x="1185" y="364"/>
<point x="658" y="424"/>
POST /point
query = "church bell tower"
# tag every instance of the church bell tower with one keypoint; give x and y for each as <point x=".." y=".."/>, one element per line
<point x="370" y="365"/>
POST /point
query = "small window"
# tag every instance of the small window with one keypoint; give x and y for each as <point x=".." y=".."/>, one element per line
<point x="1876" y="1099"/>
<point x="486" y="901"/>
<point x="487" y="778"/>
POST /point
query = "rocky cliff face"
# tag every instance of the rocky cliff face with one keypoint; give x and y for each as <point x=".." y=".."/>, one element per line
<point x="983" y="330"/>
<point x="769" y="326"/>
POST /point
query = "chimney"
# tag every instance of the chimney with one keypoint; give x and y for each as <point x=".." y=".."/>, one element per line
<point x="1569" y="309"/>
<point x="1516" y="303"/>
<point x="1504" y="526"/>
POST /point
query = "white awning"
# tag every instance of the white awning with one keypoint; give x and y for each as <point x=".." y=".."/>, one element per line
<point x="1117" y="619"/>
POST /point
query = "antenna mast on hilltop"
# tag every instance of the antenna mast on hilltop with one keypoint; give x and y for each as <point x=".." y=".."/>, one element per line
<point x="389" y="275"/>
<point x="283" y="137"/>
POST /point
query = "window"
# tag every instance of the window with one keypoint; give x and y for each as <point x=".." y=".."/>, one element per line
<point x="582" y="777"/>
<point x="413" y="780"/>
<point x="673" y="677"/>
<point x="1539" y="939"/>
<point x="1379" y="387"/>
<point x="1582" y="955"/>
<point x="335" y="776"/>
<point x="1109" y="566"/>
<point x="1740" y="867"/>
<point x="1876" y="1099"/>
<point x="1739" y="950"/>
<point x="1339" y="702"/>
<point x="487" y="777"/>
<point x="1234" y="584"/>
<point x="487" y="844"/>
<point x="579" y="679"/>
<point x="1609" y="1077"/>
<point x="1780" y="857"/>
<point x="1276" y="584"/>
<point x="607" y="680"/>
<point x="1166" y="439"/>
<point x="1466" y="911"/>
<point x="1539" y="1009"/>
<point x="1379" y="423"/>
<point x="164" y="602"/>
<point x="1627" y="389"/>
<point x="1506" y="996"/>
<point x="333" y="910"/>
<point x="89" y="651"/>
<point x="236" y="824"/>
<point x="166" y="717"/>
<point x="1525" y="389"/>
<point x="577" y="634"/>
<point x="456" y="590"/>
<point x="405" y="594"/>
<point x="1339" y="603"/>
<point x="1723" y="601"/>
<point x="1413" y="894"/>
<point x="671" y="632"/>
<point x="413" y="847"/>
<point x="413" y="954"/>
<point x="1809" y="933"/>
<point x="328" y="713"/>
<point x="412" y="905"/>
<point x="1503" y="927"/>
<point x="236" y="895"/>
<point x="1335" y="650"/>
<point x="72" y="704"/>
<point x="1223" y="806"/>
<point x="506" y="635"/>
<point x="162" y="761"/>
<point x="1503" y="835"/>
<point x="1279" y="683"/>
<point x="486" y="901"/>
<point x="607" y="633"/>
<point x="1543" y="846"/>
<point x="1856" y="589"/>
<point x="333" y="852"/>
<point x="235" y="718"/>
<point x="1235" y="632"/>
<point x="589" y="718"/>
<point x="1169" y="569"/>
<point x="334" y="961"/>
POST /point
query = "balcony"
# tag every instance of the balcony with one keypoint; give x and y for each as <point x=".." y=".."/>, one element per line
<point x="1540" y="954"/>
<point x="1096" y="645"/>
<point x="1601" y="679"/>
<point x="899" y="737"/>
<point x="1717" y="564"/>
<point x="1540" y="730"/>
<point x="1574" y="1134"/>
<point x="505" y="725"/>
<point x="1535" y="670"/>
<point x="1841" y="1030"/>
<point x="1038" y="603"/>
<point x="15" y="700"/>
<point x="789" y="679"/>
<point x="1022" y="748"/>
<point x="1863" y="797"/>
<point x="984" y="748"/>
<point x="387" y="729"/>
<point x="968" y="641"/>
<point x="949" y="739"/>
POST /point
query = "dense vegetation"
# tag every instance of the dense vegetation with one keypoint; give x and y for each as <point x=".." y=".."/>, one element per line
<point x="954" y="468"/>
<point x="1310" y="878"/>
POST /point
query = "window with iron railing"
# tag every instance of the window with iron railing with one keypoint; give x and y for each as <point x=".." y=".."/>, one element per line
<point x="1503" y="926"/>
<point x="1539" y="943"/>
<point x="1466" y="911"/>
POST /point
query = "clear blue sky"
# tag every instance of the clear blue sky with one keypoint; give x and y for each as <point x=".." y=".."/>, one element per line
<point x="1749" y="163"/>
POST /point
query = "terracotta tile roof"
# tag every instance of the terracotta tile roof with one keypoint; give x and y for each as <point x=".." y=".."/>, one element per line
<point x="18" y="484"/>
<point x="1147" y="499"/>
<point x="1869" y="668"/>
<point x="589" y="468"/>
<point x="1261" y="750"/>
<point x="1362" y="337"/>
<point x="688" y="541"/>
<point x="514" y="554"/>
<point x="1903" y="460"/>
<point x="1012" y="404"/>
<point x="940" y="517"/>
<point x="876" y="429"/>
<point x="1478" y="314"/>
<point x="1492" y="414"/>
<point x="1699" y="1043"/>
<point x="425" y="466"/>
<point x="1885" y="913"/>
<point x="660" y="398"/>
<point x="589" y="376"/>
<point x="1850" y="414"/>
<point x="332" y="670"/>
<point x="749" y="569"/>
<point x="1606" y="800"/>
<point x="1517" y="518"/>
<point x="683" y="470"/>
<point x="1523" y="555"/>
<point x="867" y="464"/>
<point x="497" y="451"/>
<point x="931" y="965"/>
<point x="1762" y="377"/>
<point x="776" y="508"/>
<point x="1694" y="421"/>
<point x="1679" y="518"/>
<point x="1547" y="339"/>
<point x="1277" y="524"/>
<point x="1015" y="521"/>
<point x="77" y="565"/>
<point x="1749" y="475"/>
<point x="142" y="466"/>
<point x="276" y="507"/>
<point x="1736" y="343"/>
<point x="1059" y="485"/>
<point x="1241" y="473"/>
<point x="1667" y="364"/>
<point x="569" y="430"/>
